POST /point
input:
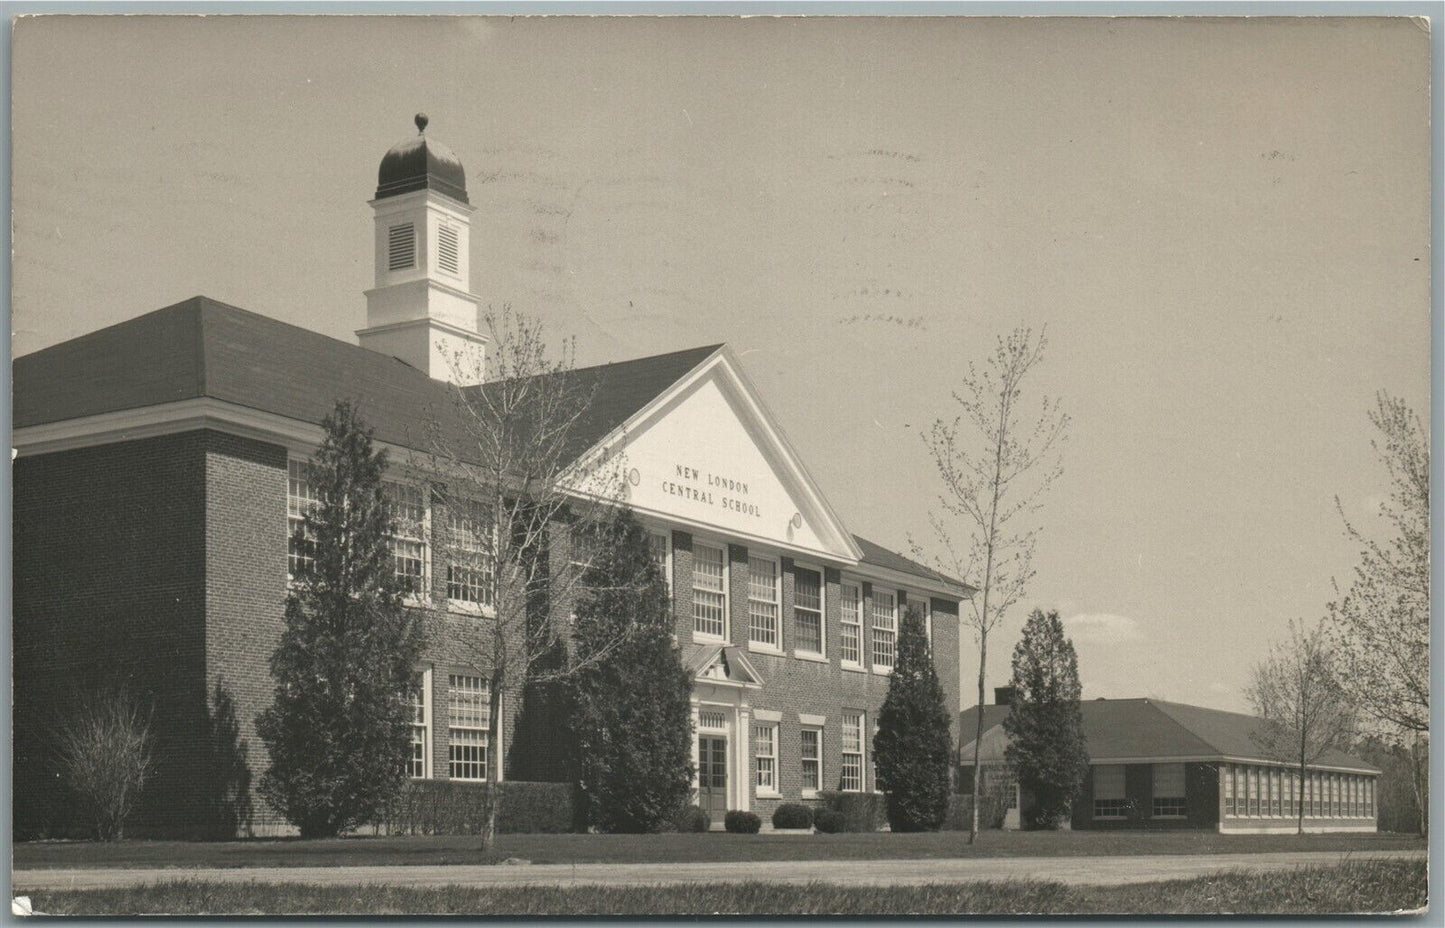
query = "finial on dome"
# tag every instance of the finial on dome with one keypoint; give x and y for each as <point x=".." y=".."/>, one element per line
<point x="421" y="122"/>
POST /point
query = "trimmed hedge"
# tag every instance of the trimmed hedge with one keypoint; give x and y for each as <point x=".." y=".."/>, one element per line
<point x="793" y="815"/>
<point x="693" y="819"/>
<point x="450" y="807"/>
<point x="860" y="811"/>
<point x="742" y="823"/>
<point x="991" y="811"/>
<point x="828" y="822"/>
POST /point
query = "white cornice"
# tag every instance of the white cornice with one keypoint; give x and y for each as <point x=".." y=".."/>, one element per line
<point x="967" y="750"/>
<point x="302" y="438"/>
<point x="166" y="419"/>
<point x="430" y="323"/>
<point x="775" y="445"/>
<point x="421" y="283"/>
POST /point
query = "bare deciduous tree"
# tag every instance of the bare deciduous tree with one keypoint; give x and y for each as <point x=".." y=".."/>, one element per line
<point x="1305" y="712"/>
<point x="510" y="467"/>
<point x="996" y="458"/>
<point x="1380" y="626"/>
<point x="106" y="758"/>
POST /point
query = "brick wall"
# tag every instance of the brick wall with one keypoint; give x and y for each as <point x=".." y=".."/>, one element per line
<point x="164" y="560"/>
<point x="246" y="534"/>
<point x="109" y="590"/>
<point x="795" y="686"/>
<point x="1201" y="798"/>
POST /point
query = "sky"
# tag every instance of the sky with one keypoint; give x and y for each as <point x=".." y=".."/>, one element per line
<point x="1223" y="227"/>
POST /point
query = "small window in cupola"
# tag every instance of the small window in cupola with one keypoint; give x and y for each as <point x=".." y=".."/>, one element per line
<point x="401" y="247"/>
<point x="448" y="254"/>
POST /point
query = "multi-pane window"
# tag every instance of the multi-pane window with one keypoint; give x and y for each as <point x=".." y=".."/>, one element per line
<point x="1001" y="781"/>
<point x="417" y="698"/>
<point x="1109" y="799"/>
<point x="658" y="544"/>
<point x="1311" y="794"/>
<point x="765" y="757"/>
<point x="300" y="497"/>
<point x="811" y="759"/>
<point x="1335" y="795"/>
<point x="1291" y="788"/>
<point x="1168" y="791"/>
<point x="709" y="602"/>
<point x="851" y="779"/>
<point x="850" y="648"/>
<point x="583" y="546"/>
<point x="1277" y="787"/>
<point x="921" y="603"/>
<point x="1228" y="773"/>
<point x="1370" y="798"/>
<point x="467" y="711"/>
<point x="885" y="627"/>
<point x="408" y="545"/>
<point x="1252" y="775"/>
<point x="808" y="610"/>
<point x="469" y="574"/>
<point x="763" y="602"/>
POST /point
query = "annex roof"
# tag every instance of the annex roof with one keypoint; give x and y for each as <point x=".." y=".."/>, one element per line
<point x="1142" y="730"/>
<point x="202" y="348"/>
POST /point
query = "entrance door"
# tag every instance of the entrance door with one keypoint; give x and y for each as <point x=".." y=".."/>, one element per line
<point x="712" y="775"/>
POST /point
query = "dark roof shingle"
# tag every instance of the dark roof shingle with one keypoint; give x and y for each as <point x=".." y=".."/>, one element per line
<point x="1154" y="728"/>
<point x="204" y="348"/>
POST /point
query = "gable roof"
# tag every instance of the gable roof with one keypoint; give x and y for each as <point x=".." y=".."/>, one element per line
<point x="201" y="347"/>
<point x="700" y="657"/>
<point x="1121" y="729"/>
<point x="204" y="348"/>
<point x="621" y="389"/>
<point x="876" y="554"/>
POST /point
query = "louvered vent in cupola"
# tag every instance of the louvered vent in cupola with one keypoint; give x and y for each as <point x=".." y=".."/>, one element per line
<point x="401" y="247"/>
<point x="447" y="252"/>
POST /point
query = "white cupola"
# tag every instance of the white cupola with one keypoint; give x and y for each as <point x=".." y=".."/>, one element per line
<point x="421" y="308"/>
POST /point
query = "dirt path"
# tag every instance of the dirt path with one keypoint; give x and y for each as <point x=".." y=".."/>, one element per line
<point x="1073" y="870"/>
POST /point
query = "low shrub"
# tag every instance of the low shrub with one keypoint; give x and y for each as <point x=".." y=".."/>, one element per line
<point x="450" y="807"/>
<point x="828" y="822"/>
<point x="693" y="819"/>
<point x="991" y="811"/>
<point x="860" y="811"/>
<point x="793" y="815"/>
<point x="107" y="756"/>
<point x="742" y="823"/>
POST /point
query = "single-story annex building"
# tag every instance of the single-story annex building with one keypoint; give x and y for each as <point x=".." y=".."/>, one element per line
<point x="162" y="467"/>
<point x="1157" y="764"/>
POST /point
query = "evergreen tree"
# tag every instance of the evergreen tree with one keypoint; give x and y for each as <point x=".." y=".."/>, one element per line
<point x="1044" y="726"/>
<point x="632" y="714"/>
<point x="912" y="748"/>
<point x="339" y="731"/>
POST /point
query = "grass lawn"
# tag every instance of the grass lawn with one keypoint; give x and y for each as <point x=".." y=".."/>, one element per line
<point x="1365" y="886"/>
<point x="716" y="846"/>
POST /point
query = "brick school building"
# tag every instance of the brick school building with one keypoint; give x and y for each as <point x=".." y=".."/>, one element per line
<point x="162" y="467"/>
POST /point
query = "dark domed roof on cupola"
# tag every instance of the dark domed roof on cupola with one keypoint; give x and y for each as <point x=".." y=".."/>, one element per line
<point x="420" y="163"/>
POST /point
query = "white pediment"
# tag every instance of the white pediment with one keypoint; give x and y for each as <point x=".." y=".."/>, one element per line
<point x="725" y="665"/>
<point x="707" y="455"/>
